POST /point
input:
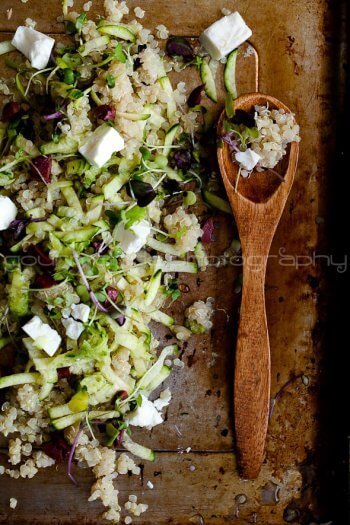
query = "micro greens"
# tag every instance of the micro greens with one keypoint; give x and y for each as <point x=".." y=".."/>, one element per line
<point x="80" y="22"/>
<point x="15" y="162"/>
<point x="41" y="71"/>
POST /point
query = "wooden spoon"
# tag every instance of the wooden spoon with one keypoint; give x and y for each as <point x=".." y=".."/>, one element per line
<point x="257" y="206"/>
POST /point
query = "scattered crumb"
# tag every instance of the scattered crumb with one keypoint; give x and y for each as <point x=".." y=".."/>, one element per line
<point x="305" y="380"/>
<point x="212" y="359"/>
<point x="150" y="485"/>
<point x="139" y="13"/>
<point x="179" y="363"/>
<point x="226" y="11"/>
<point x="133" y="498"/>
<point x="128" y="520"/>
<point x="177" y="430"/>
<point x="168" y="362"/>
<point x="192" y="468"/>
<point x="2" y="470"/>
<point x="134" y="508"/>
<point x="87" y="6"/>
<point x="162" y="32"/>
<point x="188" y="449"/>
<point x="30" y="23"/>
<point x="24" y="1"/>
<point x="9" y="13"/>
<point x="249" y="51"/>
<point x="13" y="501"/>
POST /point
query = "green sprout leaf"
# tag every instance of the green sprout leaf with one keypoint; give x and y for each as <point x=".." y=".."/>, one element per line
<point x="80" y="21"/>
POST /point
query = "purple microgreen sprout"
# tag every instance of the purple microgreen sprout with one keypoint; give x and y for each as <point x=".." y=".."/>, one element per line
<point x="274" y="400"/>
<point x="182" y="159"/>
<point x="53" y="116"/>
<point x="274" y="172"/>
<point x="231" y="141"/>
<point x="71" y="456"/>
<point x="93" y="297"/>
<point x="120" y="437"/>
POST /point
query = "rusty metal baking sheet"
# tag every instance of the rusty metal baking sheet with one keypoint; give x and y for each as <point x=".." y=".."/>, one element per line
<point x="296" y="45"/>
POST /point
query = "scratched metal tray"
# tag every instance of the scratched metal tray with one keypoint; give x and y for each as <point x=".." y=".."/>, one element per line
<point x="303" y="480"/>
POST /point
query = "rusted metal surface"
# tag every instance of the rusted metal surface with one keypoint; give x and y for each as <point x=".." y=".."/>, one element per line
<point x="296" y="45"/>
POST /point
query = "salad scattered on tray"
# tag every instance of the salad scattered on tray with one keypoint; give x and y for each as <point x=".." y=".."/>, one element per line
<point x="102" y="160"/>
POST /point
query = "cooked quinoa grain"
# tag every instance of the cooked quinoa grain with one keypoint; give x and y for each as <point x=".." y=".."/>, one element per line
<point x="13" y="503"/>
<point x="277" y="129"/>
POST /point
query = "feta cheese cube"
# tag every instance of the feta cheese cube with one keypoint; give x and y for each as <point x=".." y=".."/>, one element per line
<point x="74" y="329"/>
<point x="44" y="337"/>
<point x="133" y="239"/>
<point x="225" y="35"/>
<point x="35" y="46"/>
<point x="8" y="212"/>
<point x="101" y="144"/>
<point x="80" y="312"/>
<point x="247" y="159"/>
<point x="145" y="416"/>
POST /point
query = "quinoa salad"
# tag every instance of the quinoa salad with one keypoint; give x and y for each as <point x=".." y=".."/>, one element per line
<point x="103" y="161"/>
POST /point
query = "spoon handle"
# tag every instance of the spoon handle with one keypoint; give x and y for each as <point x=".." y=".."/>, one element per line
<point x="252" y="372"/>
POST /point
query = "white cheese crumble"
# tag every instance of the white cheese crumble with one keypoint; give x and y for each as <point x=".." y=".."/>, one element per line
<point x="247" y="159"/>
<point x="150" y="485"/>
<point x="145" y="415"/>
<point x="101" y="144"/>
<point x="74" y="329"/>
<point x="35" y="46"/>
<point x="163" y="400"/>
<point x="225" y="35"/>
<point x="8" y="212"/>
<point x="134" y="238"/>
<point x="80" y="312"/>
<point x="44" y="337"/>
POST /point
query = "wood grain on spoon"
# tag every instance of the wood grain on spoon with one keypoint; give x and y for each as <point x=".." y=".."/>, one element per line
<point x="257" y="205"/>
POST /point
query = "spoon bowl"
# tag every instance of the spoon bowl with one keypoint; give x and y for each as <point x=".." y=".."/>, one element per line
<point x="260" y="186"/>
<point x="257" y="203"/>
